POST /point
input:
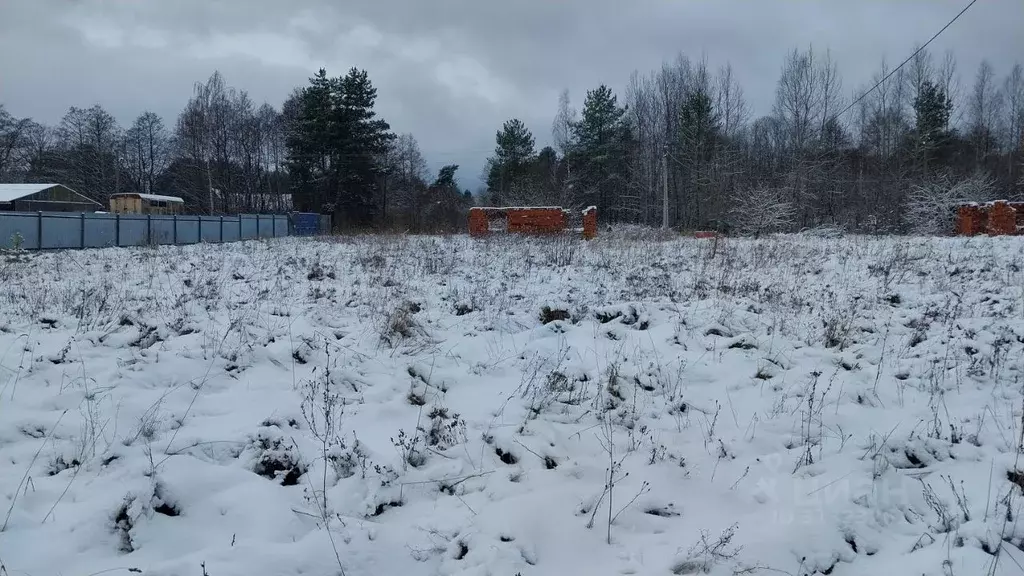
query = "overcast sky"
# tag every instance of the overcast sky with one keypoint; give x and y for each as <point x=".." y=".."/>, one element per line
<point x="451" y="71"/>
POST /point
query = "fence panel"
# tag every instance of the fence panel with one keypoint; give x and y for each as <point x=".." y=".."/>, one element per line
<point x="100" y="230"/>
<point x="232" y="228"/>
<point x="162" y="230"/>
<point x="134" y="230"/>
<point x="305" y="224"/>
<point x="250" y="226"/>
<point x="19" y="229"/>
<point x="209" y="229"/>
<point x="325" y="224"/>
<point x="61" y="231"/>
<point x="188" y="230"/>
<point x="264" y="227"/>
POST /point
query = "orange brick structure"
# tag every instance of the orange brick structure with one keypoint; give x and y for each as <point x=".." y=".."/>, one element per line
<point x="543" y="220"/>
<point x="1002" y="219"/>
<point x="1019" y="208"/>
<point x="536" y="220"/>
<point x="971" y="219"/>
<point x="705" y="234"/>
<point x="999" y="218"/>
<point x="478" y="223"/>
<point x="590" y="223"/>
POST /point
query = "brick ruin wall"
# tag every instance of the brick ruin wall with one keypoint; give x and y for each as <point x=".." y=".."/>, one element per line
<point x="999" y="218"/>
<point x="536" y="220"/>
<point x="529" y="220"/>
<point x="590" y="223"/>
<point x="1002" y="219"/>
<point x="478" y="223"/>
<point x="970" y="220"/>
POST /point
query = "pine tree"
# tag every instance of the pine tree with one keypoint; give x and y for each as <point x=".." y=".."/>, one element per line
<point x="600" y="149"/>
<point x="335" y="147"/>
<point x="699" y="131"/>
<point x="446" y="178"/>
<point x="932" y="109"/>
<point x="308" y="144"/>
<point x="508" y="171"/>
<point x="548" y="176"/>
<point x="360" y="139"/>
<point x="446" y="209"/>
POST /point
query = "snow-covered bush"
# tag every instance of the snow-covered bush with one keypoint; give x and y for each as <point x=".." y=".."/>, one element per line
<point x="931" y="207"/>
<point x="762" y="210"/>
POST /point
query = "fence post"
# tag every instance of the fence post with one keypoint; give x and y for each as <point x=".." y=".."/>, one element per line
<point x="81" y="230"/>
<point x="221" y="229"/>
<point x="39" y="230"/>
<point x="240" y="227"/>
<point x="117" y="229"/>
<point x="149" y="229"/>
<point x="174" y="220"/>
<point x="273" y="225"/>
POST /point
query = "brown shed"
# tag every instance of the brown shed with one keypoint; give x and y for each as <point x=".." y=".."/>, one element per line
<point x="133" y="203"/>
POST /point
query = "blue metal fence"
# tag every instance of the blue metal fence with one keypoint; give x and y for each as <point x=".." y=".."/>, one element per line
<point x="49" y="230"/>
<point x="305" y="223"/>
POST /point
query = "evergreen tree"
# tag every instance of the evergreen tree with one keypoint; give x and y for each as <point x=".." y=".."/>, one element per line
<point x="508" y="171"/>
<point x="446" y="178"/>
<point x="360" y="139"/>
<point x="446" y="210"/>
<point x="335" y="147"/>
<point x="699" y="131"/>
<point x="932" y="108"/>
<point x="548" y="176"/>
<point x="600" y="150"/>
<point x="308" y="144"/>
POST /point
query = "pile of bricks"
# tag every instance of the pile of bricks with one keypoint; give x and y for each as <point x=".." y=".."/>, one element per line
<point x="545" y="220"/>
<point x="999" y="218"/>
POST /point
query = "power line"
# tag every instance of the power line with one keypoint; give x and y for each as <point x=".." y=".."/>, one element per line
<point x="904" y="63"/>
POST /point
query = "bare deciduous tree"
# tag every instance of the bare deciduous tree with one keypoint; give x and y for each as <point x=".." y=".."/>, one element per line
<point x="15" y="144"/>
<point x="984" y="111"/>
<point x="561" y="127"/>
<point x="731" y="103"/>
<point x="146" y="152"/>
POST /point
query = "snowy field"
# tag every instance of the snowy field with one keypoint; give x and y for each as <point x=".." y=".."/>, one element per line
<point x="444" y="406"/>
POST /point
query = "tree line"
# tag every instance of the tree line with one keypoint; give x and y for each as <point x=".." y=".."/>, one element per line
<point x="893" y="159"/>
<point x="324" y="150"/>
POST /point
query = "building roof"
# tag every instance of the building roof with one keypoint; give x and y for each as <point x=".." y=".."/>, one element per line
<point x="12" y="192"/>
<point x="153" y="197"/>
<point x="159" y="198"/>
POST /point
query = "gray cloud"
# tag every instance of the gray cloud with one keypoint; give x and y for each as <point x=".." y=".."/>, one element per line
<point x="450" y="71"/>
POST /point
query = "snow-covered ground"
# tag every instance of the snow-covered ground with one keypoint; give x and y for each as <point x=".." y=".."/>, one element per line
<point x="421" y="405"/>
